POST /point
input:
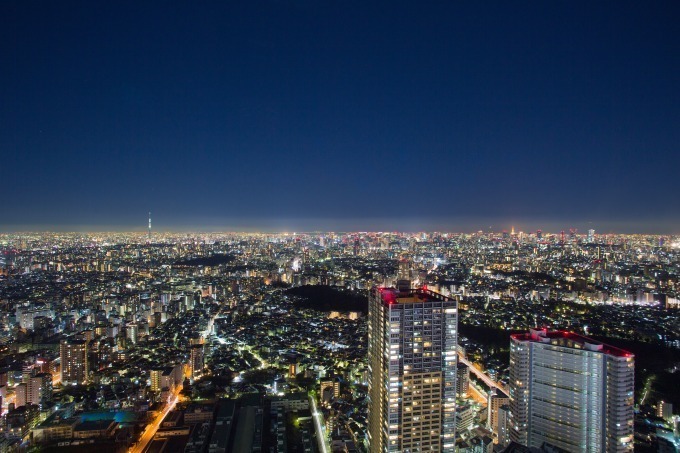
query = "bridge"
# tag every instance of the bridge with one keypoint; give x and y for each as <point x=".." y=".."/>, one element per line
<point x="481" y="375"/>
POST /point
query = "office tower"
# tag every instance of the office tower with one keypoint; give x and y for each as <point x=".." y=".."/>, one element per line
<point x="196" y="362"/>
<point x="412" y="344"/>
<point x="74" y="361"/>
<point x="149" y="237"/>
<point x="591" y="236"/>
<point x="570" y="391"/>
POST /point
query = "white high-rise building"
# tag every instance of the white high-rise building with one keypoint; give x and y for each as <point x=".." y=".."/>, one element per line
<point x="412" y="344"/>
<point x="570" y="391"/>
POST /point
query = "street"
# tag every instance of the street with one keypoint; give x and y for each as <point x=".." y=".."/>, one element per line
<point x="151" y="428"/>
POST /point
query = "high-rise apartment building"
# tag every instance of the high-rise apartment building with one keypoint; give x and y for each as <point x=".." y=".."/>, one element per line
<point x="155" y="376"/>
<point x="412" y="344"/>
<point x="132" y="333"/>
<point x="570" y="391"/>
<point x="74" y="361"/>
<point x="196" y="361"/>
<point x="39" y="388"/>
<point x="497" y="399"/>
<point x="329" y="390"/>
<point x="167" y="378"/>
<point x="503" y="433"/>
<point x="664" y="410"/>
<point x="21" y="394"/>
<point x="462" y="380"/>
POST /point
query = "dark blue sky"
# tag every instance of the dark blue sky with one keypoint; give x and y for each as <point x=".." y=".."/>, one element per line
<point x="340" y="115"/>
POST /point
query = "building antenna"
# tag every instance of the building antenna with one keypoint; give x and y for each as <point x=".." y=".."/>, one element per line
<point x="149" y="226"/>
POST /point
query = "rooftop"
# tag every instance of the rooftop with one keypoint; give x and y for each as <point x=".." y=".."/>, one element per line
<point x="412" y="295"/>
<point x="574" y="340"/>
<point x="94" y="425"/>
<point x="57" y="419"/>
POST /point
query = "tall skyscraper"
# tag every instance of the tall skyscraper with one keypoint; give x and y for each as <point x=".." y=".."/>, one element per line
<point x="74" y="361"/>
<point x="570" y="391"/>
<point x="412" y="359"/>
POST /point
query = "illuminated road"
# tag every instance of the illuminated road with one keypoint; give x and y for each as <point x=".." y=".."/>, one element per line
<point x="151" y="428"/>
<point x="477" y="394"/>
<point x="647" y="388"/>
<point x="481" y="375"/>
<point x="318" y="426"/>
<point x="240" y="346"/>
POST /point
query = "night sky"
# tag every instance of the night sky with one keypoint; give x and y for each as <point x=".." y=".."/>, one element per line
<point x="339" y="115"/>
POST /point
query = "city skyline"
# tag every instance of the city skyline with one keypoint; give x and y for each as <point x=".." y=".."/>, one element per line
<point x="351" y="227"/>
<point x="262" y="116"/>
<point x="356" y="342"/>
<point x="373" y="225"/>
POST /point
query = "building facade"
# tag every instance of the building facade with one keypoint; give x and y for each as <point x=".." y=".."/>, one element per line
<point x="412" y="344"/>
<point x="74" y="361"/>
<point x="196" y="361"/>
<point x="463" y="380"/>
<point x="497" y="399"/>
<point x="570" y="391"/>
<point x="39" y="388"/>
